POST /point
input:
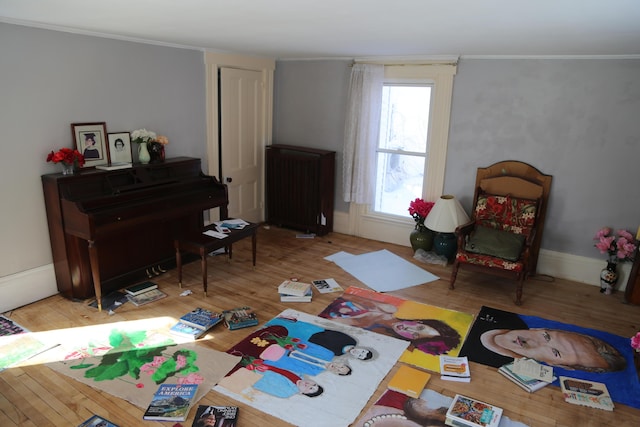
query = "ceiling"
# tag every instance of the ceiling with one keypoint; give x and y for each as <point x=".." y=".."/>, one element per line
<point x="304" y="29"/>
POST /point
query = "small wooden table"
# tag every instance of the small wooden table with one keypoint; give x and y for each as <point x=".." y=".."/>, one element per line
<point x="201" y="244"/>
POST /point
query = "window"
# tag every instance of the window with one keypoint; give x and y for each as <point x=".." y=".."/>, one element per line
<point x="420" y="159"/>
<point x="402" y="148"/>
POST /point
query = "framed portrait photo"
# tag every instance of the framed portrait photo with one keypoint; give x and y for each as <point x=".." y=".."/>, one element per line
<point x="91" y="140"/>
<point x="120" y="148"/>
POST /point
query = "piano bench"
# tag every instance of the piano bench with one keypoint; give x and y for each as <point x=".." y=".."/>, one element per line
<point x="201" y="244"/>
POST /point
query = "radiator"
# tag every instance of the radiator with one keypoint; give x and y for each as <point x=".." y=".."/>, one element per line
<point x="300" y="188"/>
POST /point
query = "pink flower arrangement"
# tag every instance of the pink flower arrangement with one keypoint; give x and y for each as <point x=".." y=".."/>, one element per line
<point x="619" y="246"/>
<point x="419" y="209"/>
<point x="635" y="342"/>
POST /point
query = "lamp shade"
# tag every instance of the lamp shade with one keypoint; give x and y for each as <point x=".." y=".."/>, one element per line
<point x="446" y="215"/>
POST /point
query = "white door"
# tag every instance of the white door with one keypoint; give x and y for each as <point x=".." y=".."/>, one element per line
<point x="241" y="146"/>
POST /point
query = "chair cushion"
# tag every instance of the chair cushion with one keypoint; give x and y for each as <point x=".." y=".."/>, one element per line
<point x="506" y="213"/>
<point x="489" y="261"/>
<point x="498" y="243"/>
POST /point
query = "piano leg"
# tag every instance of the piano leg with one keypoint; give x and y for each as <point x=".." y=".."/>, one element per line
<point x="203" y="261"/>
<point x="178" y="262"/>
<point x="95" y="272"/>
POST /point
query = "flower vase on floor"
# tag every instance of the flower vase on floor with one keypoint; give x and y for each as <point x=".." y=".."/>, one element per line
<point x="421" y="238"/>
<point x="608" y="278"/>
<point x="143" y="153"/>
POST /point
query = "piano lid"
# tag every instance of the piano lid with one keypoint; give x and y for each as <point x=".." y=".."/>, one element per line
<point x="92" y="184"/>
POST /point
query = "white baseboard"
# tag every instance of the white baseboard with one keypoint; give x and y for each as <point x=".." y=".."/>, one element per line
<point x="32" y="285"/>
<point x="556" y="264"/>
<point x="26" y="287"/>
<point x="578" y="268"/>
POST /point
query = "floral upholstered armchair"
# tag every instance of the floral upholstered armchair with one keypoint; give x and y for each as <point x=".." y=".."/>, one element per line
<point x="503" y="236"/>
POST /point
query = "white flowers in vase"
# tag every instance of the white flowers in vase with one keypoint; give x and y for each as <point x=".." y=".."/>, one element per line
<point x="142" y="135"/>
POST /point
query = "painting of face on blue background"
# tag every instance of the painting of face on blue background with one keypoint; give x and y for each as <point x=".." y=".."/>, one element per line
<point x="497" y="337"/>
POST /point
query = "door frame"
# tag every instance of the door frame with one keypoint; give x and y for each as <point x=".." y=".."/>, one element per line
<point x="215" y="61"/>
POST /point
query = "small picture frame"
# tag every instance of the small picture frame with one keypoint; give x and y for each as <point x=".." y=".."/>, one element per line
<point x="120" y="148"/>
<point x="90" y="139"/>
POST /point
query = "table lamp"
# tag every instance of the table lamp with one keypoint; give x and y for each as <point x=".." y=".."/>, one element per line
<point x="445" y="216"/>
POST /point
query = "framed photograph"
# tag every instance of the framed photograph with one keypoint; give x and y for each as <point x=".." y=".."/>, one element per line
<point x="91" y="140"/>
<point x="120" y="148"/>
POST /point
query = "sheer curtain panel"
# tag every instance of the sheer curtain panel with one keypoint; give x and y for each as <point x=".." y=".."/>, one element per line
<point x="362" y="128"/>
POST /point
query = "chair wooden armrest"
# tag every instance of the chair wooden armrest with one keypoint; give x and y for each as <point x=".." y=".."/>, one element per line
<point x="462" y="231"/>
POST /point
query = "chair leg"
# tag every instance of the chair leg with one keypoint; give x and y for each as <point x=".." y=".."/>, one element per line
<point x="454" y="274"/>
<point x="519" y="287"/>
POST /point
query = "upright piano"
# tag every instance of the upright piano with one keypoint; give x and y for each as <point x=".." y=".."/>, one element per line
<point x="108" y="229"/>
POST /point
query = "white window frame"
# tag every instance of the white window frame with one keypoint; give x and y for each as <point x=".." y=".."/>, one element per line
<point x="363" y="221"/>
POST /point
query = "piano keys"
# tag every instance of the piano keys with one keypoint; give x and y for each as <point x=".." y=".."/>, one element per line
<point x="108" y="228"/>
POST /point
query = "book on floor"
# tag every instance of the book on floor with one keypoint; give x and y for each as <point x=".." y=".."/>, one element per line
<point x="240" y="317"/>
<point x="468" y="412"/>
<point x="96" y="421"/>
<point x="454" y="368"/>
<point x="140" y="288"/>
<point x="295" y="298"/>
<point x="531" y="368"/>
<point x="201" y="318"/>
<point x="9" y="327"/>
<point x="222" y="416"/>
<point x="146" y="297"/>
<point x="587" y="393"/>
<point x="525" y="382"/>
<point x="289" y="287"/>
<point x="171" y="402"/>
<point x="325" y="286"/>
<point x="186" y="331"/>
<point x="409" y="381"/>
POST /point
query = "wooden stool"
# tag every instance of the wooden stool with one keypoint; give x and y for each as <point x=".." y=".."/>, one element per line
<point x="201" y="244"/>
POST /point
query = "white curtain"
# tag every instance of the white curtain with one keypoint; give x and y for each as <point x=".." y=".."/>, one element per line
<point x="362" y="128"/>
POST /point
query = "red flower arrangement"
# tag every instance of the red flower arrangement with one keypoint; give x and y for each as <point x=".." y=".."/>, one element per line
<point x="66" y="155"/>
<point x="419" y="209"/>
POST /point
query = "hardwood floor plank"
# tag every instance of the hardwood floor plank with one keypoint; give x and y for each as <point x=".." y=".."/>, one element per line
<point x="37" y="395"/>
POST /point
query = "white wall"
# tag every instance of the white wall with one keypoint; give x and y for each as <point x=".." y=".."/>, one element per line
<point x="49" y="80"/>
<point x="576" y="119"/>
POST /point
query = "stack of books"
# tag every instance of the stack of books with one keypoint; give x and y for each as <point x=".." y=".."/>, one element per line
<point x="526" y="382"/>
<point x="291" y="291"/>
<point x="144" y="293"/>
<point x="467" y="412"/>
<point x="196" y="323"/>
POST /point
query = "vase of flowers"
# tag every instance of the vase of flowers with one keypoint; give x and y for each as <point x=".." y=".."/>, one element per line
<point x="156" y="149"/>
<point x="143" y="137"/>
<point x="68" y="158"/>
<point x="619" y="247"/>
<point x="421" y="237"/>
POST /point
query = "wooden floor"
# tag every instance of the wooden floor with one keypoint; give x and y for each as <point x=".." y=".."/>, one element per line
<point x="35" y="395"/>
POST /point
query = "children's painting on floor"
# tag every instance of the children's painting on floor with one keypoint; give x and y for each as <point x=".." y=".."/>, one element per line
<point x="310" y="371"/>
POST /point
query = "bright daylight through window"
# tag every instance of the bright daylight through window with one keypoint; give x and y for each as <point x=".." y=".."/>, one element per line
<point x="402" y="148"/>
